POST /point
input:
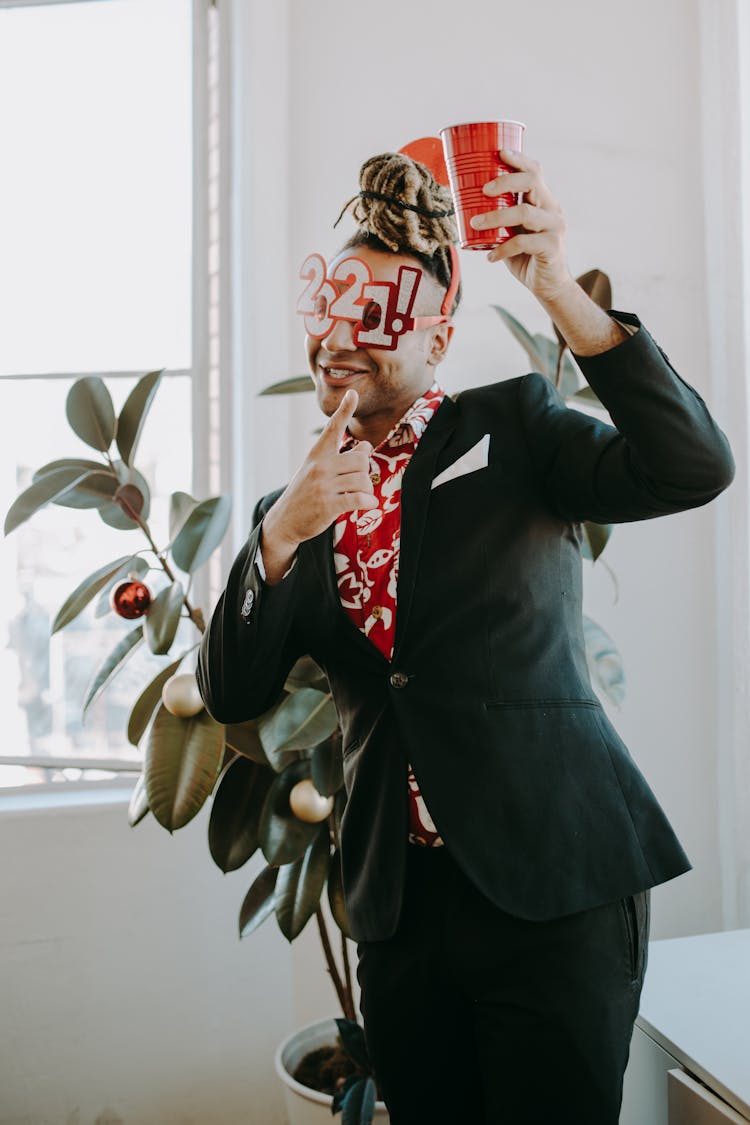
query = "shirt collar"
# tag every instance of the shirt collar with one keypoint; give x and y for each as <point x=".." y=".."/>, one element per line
<point x="412" y="423"/>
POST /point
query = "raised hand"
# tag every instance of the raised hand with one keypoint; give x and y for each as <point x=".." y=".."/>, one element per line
<point x="536" y="255"/>
<point x="326" y="484"/>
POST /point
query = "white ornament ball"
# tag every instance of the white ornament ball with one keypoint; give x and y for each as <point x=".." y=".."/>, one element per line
<point x="181" y="697"/>
<point x="307" y="804"/>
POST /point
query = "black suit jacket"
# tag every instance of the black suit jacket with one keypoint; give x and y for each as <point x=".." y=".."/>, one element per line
<point x="488" y="693"/>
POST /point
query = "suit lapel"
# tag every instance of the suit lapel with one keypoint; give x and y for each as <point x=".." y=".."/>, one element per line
<point x="415" y="496"/>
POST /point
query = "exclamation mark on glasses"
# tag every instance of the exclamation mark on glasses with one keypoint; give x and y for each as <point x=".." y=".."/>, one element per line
<point x="407" y="291"/>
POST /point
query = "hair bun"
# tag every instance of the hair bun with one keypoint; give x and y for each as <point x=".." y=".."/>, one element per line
<point x="402" y="204"/>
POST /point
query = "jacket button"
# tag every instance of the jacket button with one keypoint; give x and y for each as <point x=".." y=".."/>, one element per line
<point x="399" y="679"/>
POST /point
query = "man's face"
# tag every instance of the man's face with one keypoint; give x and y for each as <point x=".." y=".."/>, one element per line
<point x="387" y="382"/>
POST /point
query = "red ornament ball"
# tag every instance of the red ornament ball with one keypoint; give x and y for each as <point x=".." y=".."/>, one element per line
<point x="130" y="599"/>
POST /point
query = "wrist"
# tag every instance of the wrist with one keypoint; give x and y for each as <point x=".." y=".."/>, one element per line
<point x="586" y="327"/>
<point x="273" y="533"/>
<point x="560" y="295"/>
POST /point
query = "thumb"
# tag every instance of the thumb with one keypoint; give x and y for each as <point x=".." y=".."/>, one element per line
<point x="339" y="420"/>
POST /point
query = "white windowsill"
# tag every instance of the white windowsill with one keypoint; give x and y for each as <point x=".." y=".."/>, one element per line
<point x="65" y="795"/>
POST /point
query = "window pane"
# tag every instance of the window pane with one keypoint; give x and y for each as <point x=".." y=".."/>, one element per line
<point x="43" y="680"/>
<point x="96" y="190"/>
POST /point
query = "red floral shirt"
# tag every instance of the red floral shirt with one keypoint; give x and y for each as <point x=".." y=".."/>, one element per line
<point x="365" y="555"/>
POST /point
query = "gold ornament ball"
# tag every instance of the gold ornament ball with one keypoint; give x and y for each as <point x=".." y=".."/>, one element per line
<point x="181" y="697"/>
<point x="307" y="804"/>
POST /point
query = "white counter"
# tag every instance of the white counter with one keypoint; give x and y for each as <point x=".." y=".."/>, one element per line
<point x="695" y="1014"/>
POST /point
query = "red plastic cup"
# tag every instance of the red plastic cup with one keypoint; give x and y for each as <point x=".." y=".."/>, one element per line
<point x="472" y="156"/>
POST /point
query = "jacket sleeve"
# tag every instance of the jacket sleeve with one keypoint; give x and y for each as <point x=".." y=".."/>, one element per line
<point x="251" y="642"/>
<point x="664" y="453"/>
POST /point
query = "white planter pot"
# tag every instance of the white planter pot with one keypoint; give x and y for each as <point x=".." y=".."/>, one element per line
<point x="305" y="1106"/>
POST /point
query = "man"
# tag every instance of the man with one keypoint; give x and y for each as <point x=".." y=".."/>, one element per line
<point x="498" y="843"/>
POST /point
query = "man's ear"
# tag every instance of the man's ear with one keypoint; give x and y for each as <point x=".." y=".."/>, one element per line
<point x="441" y="338"/>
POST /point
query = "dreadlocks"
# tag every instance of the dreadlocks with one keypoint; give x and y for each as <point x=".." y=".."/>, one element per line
<point x="401" y="208"/>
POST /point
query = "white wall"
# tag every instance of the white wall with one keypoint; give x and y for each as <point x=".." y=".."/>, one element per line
<point x="612" y="103"/>
<point x="123" y="983"/>
<point x="126" y="994"/>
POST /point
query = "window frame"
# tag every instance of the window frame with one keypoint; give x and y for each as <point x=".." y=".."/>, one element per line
<point x="724" y="32"/>
<point x="208" y="348"/>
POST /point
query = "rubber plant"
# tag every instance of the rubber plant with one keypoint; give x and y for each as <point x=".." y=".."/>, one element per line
<point x="276" y="782"/>
<point x="550" y="357"/>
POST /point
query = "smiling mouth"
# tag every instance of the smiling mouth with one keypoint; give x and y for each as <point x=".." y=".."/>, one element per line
<point x="341" y="374"/>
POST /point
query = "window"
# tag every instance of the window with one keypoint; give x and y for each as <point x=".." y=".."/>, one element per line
<point x="107" y="241"/>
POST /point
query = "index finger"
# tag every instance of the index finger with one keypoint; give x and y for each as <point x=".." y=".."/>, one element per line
<point x="335" y="427"/>
<point x="506" y="182"/>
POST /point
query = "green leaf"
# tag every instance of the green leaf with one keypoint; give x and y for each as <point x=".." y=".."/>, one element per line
<point x="353" y="1041"/>
<point x="299" y="722"/>
<point x="181" y="764"/>
<point x="327" y="767"/>
<point x="595" y="539"/>
<point x="244" y="739"/>
<point x="359" y="1103"/>
<point x="589" y="395"/>
<point x="548" y="352"/>
<point x="234" y="825"/>
<point x="339" y="804"/>
<point x="293" y="385"/>
<point x="570" y="379"/>
<point x="95" y="490"/>
<point x="306" y="673"/>
<point x="145" y="704"/>
<point x="201" y="533"/>
<point x="90" y="412"/>
<point x="524" y="338"/>
<point x="181" y="505"/>
<point x="44" y="491"/>
<point x="604" y="662"/>
<point x="283" y="836"/>
<point x="131" y="500"/>
<point x="138" y="807"/>
<point x="133" y="415"/>
<point x="259" y="901"/>
<point x="336" y="899"/>
<point x="300" y="885"/>
<point x="133" y="493"/>
<point x="113" y="663"/>
<point x="598" y="286"/>
<point x="72" y="463"/>
<point x="340" y="1096"/>
<point x="86" y="591"/>
<point x="135" y="565"/>
<point x="163" y="618"/>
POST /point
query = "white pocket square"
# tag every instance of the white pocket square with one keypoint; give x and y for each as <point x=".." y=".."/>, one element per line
<point x="475" y="458"/>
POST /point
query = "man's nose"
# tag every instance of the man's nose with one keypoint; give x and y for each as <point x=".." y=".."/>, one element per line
<point x="341" y="336"/>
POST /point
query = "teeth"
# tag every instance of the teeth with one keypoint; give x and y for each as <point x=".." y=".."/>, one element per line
<point x="339" y="373"/>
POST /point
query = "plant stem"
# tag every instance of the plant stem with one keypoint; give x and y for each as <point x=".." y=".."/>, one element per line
<point x="348" y="974"/>
<point x="558" y="369"/>
<point x="194" y="613"/>
<point x="330" y="962"/>
<point x="612" y="575"/>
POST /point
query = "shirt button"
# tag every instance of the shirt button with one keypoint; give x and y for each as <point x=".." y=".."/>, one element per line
<point x="399" y="679"/>
<point x="377" y="611"/>
<point x="375" y="478"/>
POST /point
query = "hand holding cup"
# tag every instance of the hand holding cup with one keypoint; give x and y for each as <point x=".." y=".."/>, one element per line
<point x="536" y="254"/>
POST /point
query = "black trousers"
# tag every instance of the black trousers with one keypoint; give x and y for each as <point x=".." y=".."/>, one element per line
<point x="472" y="1015"/>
